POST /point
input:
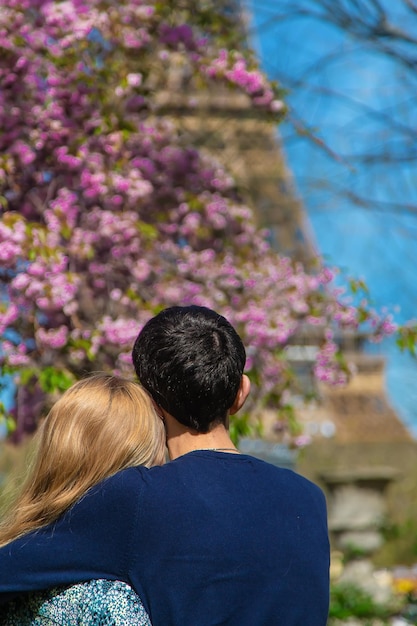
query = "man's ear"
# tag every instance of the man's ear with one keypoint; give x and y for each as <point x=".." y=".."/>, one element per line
<point x="158" y="410"/>
<point x="242" y="394"/>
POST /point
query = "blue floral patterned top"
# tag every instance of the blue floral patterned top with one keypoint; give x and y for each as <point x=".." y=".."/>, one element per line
<point x="94" y="603"/>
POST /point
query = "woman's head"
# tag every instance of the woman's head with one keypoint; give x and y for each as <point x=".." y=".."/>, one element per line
<point x="102" y="424"/>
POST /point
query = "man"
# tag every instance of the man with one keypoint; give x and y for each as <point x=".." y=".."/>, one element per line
<point x="213" y="537"/>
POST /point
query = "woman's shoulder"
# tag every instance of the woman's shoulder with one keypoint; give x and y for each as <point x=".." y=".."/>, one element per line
<point x="95" y="603"/>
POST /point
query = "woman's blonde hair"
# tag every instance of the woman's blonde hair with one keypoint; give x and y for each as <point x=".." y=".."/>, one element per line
<point x="101" y="425"/>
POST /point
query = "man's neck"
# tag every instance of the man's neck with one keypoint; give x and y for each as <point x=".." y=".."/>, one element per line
<point x="181" y="440"/>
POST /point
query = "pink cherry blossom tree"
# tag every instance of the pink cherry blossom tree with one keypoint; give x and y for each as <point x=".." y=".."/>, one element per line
<point x="110" y="215"/>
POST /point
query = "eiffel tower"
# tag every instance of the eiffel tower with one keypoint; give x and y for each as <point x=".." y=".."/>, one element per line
<point x="226" y="126"/>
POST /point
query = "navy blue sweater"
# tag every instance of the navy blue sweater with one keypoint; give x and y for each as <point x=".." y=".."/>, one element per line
<point x="209" y="539"/>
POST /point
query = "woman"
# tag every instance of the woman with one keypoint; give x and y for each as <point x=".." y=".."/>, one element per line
<point x="101" y="425"/>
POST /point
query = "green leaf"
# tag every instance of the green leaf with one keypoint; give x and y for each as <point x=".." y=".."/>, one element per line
<point x="52" y="379"/>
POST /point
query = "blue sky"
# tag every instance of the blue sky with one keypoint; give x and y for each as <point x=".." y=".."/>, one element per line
<point x="358" y="102"/>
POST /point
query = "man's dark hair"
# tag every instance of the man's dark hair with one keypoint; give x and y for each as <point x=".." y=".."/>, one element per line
<point x="191" y="360"/>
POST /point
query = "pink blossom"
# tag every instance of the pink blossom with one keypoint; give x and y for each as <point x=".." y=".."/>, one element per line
<point x="302" y="441"/>
<point x="120" y="332"/>
<point x="20" y="282"/>
<point x="134" y="80"/>
<point x="18" y="360"/>
<point x="9" y="252"/>
<point x="54" y="338"/>
<point x="8" y="317"/>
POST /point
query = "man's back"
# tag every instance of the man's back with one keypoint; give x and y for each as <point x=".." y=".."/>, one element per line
<point x="228" y="539"/>
<point x="208" y="539"/>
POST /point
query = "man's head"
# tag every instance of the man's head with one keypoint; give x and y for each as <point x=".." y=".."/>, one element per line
<point x="191" y="360"/>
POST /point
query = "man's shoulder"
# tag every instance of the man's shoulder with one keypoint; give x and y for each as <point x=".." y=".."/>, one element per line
<point x="285" y="476"/>
<point x="240" y="468"/>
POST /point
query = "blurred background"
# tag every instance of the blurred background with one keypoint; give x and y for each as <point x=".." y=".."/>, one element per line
<point x="349" y="69"/>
